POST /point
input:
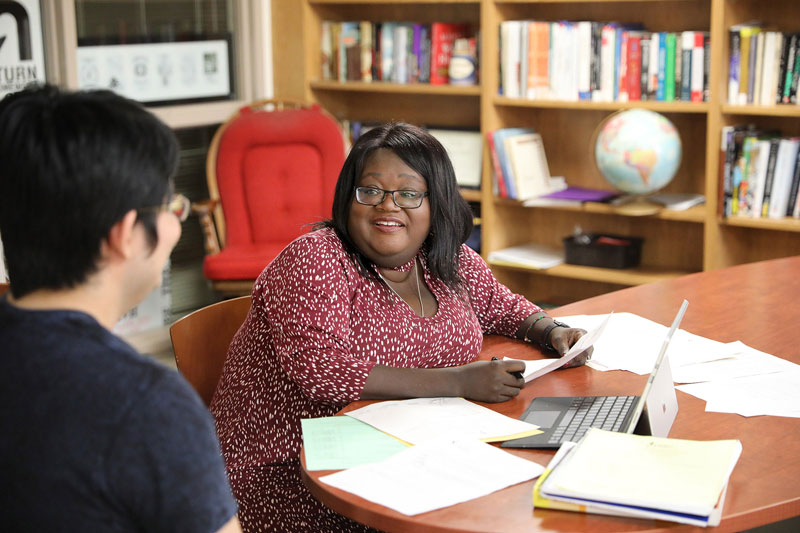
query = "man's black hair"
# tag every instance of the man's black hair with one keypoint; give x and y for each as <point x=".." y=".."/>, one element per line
<point x="73" y="164"/>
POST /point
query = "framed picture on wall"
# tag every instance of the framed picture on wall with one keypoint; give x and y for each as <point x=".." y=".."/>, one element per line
<point x="21" y="48"/>
<point x="160" y="73"/>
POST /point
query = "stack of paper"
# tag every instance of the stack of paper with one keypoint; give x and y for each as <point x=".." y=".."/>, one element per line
<point x="531" y="255"/>
<point x="631" y="475"/>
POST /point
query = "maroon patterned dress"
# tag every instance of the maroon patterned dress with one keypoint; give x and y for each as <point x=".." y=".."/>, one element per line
<point x="315" y="329"/>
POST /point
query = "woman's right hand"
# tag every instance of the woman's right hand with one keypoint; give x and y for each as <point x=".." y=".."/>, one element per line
<point x="489" y="381"/>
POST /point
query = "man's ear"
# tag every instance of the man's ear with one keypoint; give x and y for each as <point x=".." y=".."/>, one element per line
<point x="120" y="239"/>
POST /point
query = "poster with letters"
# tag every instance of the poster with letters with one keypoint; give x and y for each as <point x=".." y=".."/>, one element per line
<point x="21" y="47"/>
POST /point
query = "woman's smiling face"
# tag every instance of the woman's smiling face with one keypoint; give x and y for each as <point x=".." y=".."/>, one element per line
<point x="389" y="235"/>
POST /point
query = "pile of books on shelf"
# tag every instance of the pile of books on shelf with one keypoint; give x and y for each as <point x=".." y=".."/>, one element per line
<point x="760" y="173"/>
<point x="602" y="61"/>
<point x="398" y="52"/>
<point x="764" y="66"/>
<point x="520" y="172"/>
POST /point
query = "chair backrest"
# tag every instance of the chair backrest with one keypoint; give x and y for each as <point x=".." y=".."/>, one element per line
<point x="4" y="287"/>
<point x="200" y="342"/>
<point x="273" y="171"/>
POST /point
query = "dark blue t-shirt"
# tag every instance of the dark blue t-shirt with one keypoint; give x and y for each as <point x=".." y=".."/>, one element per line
<point x="95" y="437"/>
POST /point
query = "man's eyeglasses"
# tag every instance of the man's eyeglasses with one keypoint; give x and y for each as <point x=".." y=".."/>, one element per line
<point x="178" y="205"/>
<point x="404" y="198"/>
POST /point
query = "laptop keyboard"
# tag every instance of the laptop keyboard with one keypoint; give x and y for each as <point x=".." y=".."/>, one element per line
<point x="604" y="412"/>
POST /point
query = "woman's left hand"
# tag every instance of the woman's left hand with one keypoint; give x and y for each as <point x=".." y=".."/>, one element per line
<point x="562" y="340"/>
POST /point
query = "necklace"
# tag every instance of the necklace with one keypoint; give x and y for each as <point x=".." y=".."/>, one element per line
<point x="419" y="291"/>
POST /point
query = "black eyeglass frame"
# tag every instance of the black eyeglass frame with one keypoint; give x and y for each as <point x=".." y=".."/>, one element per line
<point x="422" y="194"/>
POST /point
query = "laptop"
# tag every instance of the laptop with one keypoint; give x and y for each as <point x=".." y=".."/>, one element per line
<point x="567" y="418"/>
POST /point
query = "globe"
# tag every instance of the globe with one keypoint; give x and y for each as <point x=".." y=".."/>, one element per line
<point x="638" y="151"/>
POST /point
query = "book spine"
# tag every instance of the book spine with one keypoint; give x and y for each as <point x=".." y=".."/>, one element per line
<point x="745" y="34"/>
<point x="751" y="66"/>
<point x="634" y="67"/>
<point x="764" y="95"/>
<point x="594" y="76"/>
<point x="687" y="65"/>
<point x="652" y="66"/>
<point x="795" y="73"/>
<point x="662" y="67"/>
<point x="584" y="60"/>
<point x="698" y="67"/>
<point x="793" y="209"/>
<point x="443" y="36"/>
<point x="644" y="45"/>
<point x="770" y="176"/>
<point x="387" y="50"/>
<point x="618" y="37"/>
<point x="733" y="65"/>
<point x="790" y="57"/>
<point x="725" y="169"/>
<point x="524" y="50"/>
<point x="622" y="67"/>
<point x="669" y="74"/>
<point x="706" y="66"/>
<point x="498" y="170"/>
<point x="782" y="68"/>
<point x="608" y="47"/>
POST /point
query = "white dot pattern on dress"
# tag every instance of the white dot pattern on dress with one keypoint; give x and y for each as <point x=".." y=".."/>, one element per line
<point x="316" y="328"/>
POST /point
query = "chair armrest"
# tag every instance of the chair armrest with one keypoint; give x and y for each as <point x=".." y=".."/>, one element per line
<point x="205" y="212"/>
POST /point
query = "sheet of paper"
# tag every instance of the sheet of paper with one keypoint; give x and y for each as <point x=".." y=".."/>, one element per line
<point x="426" y="419"/>
<point x="540" y="367"/>
<point x="745" y="361"/>
<point x="632" y="343"/>
<point x="776" y="394"/>
<point x="434" y="475"/>
<point x="621" y="468"/>
<point x="336" y="442"/>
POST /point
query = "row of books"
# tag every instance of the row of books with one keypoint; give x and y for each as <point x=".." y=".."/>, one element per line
<point x="602" y="61"/>
<point x="398" y="52"/>
<point x="760" y="173"/>
<point x="764" y="66"/>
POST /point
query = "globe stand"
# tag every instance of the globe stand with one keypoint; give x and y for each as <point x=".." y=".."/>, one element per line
<point x="634" y="205"/>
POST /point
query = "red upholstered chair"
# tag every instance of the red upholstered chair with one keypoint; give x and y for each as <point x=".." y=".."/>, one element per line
<point x="271" y="170"/>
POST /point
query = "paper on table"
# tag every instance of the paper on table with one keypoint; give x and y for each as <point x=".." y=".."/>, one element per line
<point x="540" y="367"/>
<point x="775" y="394"/>
<point x="632" y="343"/>
<point x="746" y="361"/>
<point x="424" y="419"/>
<point x="335" y="442"/>
<point x="434" y="475"/>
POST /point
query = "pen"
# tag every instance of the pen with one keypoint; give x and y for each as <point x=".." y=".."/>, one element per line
<point x="517" y="374"/>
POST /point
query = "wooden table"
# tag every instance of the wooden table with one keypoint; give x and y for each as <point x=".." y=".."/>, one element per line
<point x="757" y="303"/>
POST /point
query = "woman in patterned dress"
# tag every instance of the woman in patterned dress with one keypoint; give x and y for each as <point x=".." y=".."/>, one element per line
<point x="381" y="301"/>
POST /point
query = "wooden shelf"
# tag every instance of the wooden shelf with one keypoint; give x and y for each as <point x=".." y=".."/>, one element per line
<point x="421" y="89"/>
<point x="662" y="107"/>
<point x="693" y="214"/>
<point x="779" y="224"/>
<point x="470" y="195"/>
<point x="782" y="110"/>
<point x="623" y="276"/>
<point x="393" y="2"/>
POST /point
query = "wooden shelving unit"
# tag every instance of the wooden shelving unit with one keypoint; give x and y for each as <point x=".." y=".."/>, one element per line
<point x="676" y="242"/>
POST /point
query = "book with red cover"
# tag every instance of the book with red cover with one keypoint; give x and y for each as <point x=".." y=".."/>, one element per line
<point x="443" y="36"/>
<point x="634" y="66"/>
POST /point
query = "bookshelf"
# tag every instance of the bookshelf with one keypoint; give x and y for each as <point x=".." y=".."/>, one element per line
<point x="676" y="242"/>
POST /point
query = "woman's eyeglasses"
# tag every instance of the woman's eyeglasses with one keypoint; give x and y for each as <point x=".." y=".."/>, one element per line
<point x="178" y="205"/>
<point x="403" y="198"/>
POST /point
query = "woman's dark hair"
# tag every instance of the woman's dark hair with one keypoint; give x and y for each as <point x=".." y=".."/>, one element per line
<point x="73" y="164"/>
<point x="451" y="217"/>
